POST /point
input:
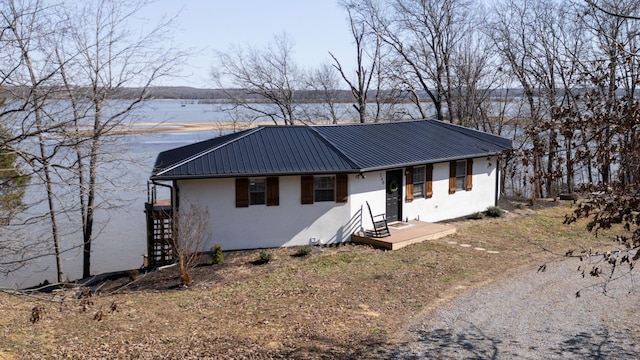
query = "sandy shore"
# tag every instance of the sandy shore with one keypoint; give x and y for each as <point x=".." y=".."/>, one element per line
<point x="169" y="127"/>
<point x="172" y="127"/>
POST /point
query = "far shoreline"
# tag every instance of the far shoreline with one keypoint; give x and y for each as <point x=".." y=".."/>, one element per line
<point x="179" y="127"/>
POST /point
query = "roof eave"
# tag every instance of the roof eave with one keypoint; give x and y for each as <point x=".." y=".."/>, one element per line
<point x="430" y="161"/>
<point x="325" y="172"/>
<point x="239" y="175"/>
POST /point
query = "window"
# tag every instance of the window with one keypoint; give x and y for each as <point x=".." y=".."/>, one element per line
<point x="418" y="182"/>
<point x="257" y="192"/>
<point x="324" y="188"/>
<point x="460" y="175"/>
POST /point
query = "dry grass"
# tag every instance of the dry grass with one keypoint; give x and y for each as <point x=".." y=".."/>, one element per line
<point x="344" y="302"/>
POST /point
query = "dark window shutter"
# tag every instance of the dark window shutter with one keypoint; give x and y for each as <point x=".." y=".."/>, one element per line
<point x="242" y="192"/>
<point x="469" y="174"/>
<point x="429" y="181"/>
<point x="452" y="177"/>
<point x="306" y="189"/>
<point x="273" y="191"/>
<point x="342" y="188"/>
<point x="409" y="181"/>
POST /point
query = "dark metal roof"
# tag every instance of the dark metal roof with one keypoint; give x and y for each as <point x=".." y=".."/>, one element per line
<point x="282" y="150"/>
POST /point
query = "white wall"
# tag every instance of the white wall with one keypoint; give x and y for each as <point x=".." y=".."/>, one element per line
<point x="261" y="226"/>
<point x="372" y="189"/>
<point x="291" y="223"/>
<point x="443" y="206"/>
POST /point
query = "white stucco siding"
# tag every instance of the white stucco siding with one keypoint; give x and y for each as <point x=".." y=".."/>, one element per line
<point x="261" y="226"/>
<point x="444" y="206"/>
<point x="370" y="188"/>
<point x="292" y="223"/>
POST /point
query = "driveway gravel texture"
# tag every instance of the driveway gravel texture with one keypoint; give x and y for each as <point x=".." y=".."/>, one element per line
<point x="535" y="315"/>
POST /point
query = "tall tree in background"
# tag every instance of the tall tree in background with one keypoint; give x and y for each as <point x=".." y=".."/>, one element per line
<point x="473" y="80"/>
<point x="62" y="61"/>
<point x="528" y="38"/>
<point x="424" y="35"/>
<point x="615" y="47"/>
<point x="269" y="75"/>
<point x="366" y="63"/>
<point x="106" y="56"/>
<point x="609" y="116"/>
<point x="28" y="27"/>
<point x="324" y="83"/>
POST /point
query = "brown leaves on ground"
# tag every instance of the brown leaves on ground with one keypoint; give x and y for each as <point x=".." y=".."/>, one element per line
<point x="341" y="302"/>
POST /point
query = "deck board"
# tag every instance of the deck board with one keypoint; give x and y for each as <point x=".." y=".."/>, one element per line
<point x="404" y="234"/>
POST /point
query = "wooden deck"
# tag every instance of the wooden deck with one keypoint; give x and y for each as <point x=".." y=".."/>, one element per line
<point x="403" y="234"/>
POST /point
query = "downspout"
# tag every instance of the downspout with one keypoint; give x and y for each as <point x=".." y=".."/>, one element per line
<point x="175" y="196"/>
<point x="497" y="190"/>
<point x="171" y="188"/>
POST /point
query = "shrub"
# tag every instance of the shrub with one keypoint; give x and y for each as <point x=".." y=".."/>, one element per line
<point x="133" y="274"/>
<point x="494" y="211"/>
<point x="476" y="215"/>
<point x="216" y="254"/>
<point x="264" y="258"/>
<point x="304" y="251"/>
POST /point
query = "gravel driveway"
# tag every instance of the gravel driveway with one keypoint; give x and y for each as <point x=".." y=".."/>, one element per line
<point x="534" y="315"/>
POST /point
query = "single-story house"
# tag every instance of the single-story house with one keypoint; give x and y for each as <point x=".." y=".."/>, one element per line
<point x="275" y="186"/>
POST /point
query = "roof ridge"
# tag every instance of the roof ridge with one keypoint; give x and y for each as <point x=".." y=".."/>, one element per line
<point x="202" y="153"/>
<point x="380" y="123"/>
<point x="334" y="147"/>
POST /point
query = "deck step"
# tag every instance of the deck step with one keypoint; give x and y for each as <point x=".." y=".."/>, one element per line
<point x="414" y="232"/>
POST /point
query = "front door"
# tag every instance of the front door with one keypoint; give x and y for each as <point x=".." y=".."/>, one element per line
<point x="394" y="195"/>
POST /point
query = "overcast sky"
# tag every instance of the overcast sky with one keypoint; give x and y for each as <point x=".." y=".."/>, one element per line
<point x="316" y="27"/>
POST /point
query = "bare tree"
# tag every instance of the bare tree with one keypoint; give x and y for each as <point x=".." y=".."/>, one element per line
<point x="323" y="83"/>
<point x="365" y="63"/>
<point x="615" y="48"/>
<point x="424" y="34"/>
<point x="190" y="224"/>
<point x="62" y="61"/>
<point x="269" y="75"/>
<point x="473" y="80"/>
<point x="107" y="57"/>
<point x="537" y="47"/>
<point x="27" y="29"/>
<point x="606" y="120"/>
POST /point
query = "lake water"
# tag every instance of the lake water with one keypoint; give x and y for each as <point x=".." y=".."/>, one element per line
<point x="120" y="241"/>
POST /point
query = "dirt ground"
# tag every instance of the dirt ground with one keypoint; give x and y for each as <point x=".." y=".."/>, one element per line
<point x="339" y="302"/>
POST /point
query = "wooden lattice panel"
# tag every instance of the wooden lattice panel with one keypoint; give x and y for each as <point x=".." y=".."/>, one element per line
<point x="159" y="237"/>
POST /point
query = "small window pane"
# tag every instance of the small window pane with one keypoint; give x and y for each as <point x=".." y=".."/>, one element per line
<point x="418" y="182"/>
<point x="257" y="192"/>
<point x="418" y="174"/>
<point x="323" y="188"/>
<point x="461" y="175"/>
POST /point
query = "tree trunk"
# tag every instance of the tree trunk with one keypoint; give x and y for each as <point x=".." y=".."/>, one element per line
<point x="87" y="228"/>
